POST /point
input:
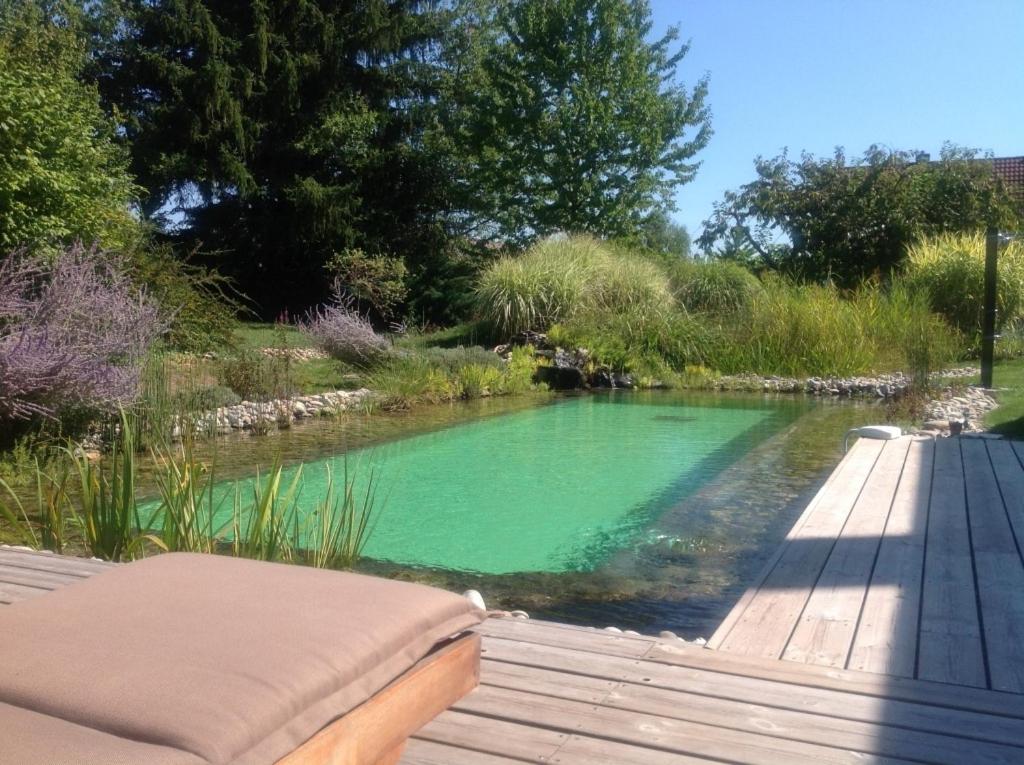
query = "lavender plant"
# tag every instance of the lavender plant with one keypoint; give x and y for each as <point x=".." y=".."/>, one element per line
<point x="73" y="332"/>
<point x="342" y="332"/>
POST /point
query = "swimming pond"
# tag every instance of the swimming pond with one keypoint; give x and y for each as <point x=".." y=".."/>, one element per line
<point x="645" y="510"/>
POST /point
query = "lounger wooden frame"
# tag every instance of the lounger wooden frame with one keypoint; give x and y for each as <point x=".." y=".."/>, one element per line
<point x="375" y="732"/>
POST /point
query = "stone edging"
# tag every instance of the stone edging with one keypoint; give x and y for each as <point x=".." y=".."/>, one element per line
<point x="282" y="411"/>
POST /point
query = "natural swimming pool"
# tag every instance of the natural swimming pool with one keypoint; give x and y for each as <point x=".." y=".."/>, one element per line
<point x="644" y="510"/>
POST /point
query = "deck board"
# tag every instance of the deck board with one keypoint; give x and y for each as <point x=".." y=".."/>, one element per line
<point x="924" y="578"/>
<point x="766" y="622"/>
<point x="886" y="639"/>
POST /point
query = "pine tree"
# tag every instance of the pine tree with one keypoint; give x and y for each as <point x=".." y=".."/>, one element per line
<point x="280" y="132"/>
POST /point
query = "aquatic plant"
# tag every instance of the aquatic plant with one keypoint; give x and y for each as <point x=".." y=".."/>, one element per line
<point x="339" y="527"/>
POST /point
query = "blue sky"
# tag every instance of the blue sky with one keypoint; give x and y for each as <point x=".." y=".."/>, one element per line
<point x="815" y="74"/>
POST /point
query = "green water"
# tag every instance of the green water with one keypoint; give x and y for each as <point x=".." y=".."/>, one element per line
<point x="552" y="489"/>
<point x="648" y="510"/>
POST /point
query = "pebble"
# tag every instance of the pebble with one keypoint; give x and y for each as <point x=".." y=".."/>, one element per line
<point x="279" y="411"/>
<point x="613" y="629"/>
<point x="881" y="386"/>
<point x="519" y="615"/>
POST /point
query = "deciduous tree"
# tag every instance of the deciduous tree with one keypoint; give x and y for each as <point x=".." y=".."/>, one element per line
<point x="848" y="221"/>
<point x="574" y="121"/>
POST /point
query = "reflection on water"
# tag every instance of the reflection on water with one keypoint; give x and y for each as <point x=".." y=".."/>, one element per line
<point x="707" y="534"/>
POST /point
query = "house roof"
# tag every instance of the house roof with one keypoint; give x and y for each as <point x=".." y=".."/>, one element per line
<point x="1011" y="171"/>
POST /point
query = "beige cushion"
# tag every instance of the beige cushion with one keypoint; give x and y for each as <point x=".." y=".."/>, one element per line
<point x="29" y="737"/>
<point x="225" y="660"/>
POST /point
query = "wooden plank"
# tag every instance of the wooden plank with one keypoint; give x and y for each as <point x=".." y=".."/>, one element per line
<point x="833" y="480"/>
<point x="35" y="578"/>
<point x="838" y="701"/>
<point x="945" y="695"/>
<point x="376" y="730"/>
<point x="656" y="732"/>
<point x="825" y="631"/>
<point x="873" y="738"/>
<point x="493" y="736"/>
<point x="422" y="752"/>
<point x="998" y="568"/>
<point x="561" y="684"/>
<point x="546" y="633"/>
<point x="764" y="627"/>
<point x="886" y="638"/>
<point x="1010" y="475"/>
<point x="585" y="750"/>
<point x="950" y="649"/>
<point x="58" y="564"/>
<point x="12" y="593"/>
<point x="802" y="725"/>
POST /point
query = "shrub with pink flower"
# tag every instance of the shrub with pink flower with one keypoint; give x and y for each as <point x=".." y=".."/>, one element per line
<point x="73" y="333"/>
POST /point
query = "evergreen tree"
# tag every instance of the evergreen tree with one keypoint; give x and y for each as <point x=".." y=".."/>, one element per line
<point x="575" y="121"/>
<point x="281" y="132"/>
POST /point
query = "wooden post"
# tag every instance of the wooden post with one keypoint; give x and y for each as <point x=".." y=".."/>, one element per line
<point x="988" y="326"/>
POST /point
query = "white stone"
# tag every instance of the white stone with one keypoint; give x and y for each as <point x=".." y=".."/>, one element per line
<point x="520" y="615"/>
<point x="613" y="629"/>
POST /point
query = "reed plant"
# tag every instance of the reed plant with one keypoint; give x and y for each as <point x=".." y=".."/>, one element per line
<point x="340" y="525"/>
<point x="268" y="527"/>
<point x="185" y="518"/>
<point x="107" y="507"/>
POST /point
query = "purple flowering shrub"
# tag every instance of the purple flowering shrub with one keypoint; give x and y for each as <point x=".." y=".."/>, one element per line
<point x="73" y="332"/>
<point x="343" y="333"/>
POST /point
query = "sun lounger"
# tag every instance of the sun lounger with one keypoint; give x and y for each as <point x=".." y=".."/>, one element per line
<point x="197" y="659"/>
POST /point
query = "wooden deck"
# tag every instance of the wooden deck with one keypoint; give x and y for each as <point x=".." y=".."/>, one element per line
<point x="907" y="563"/>
<point x="559" y="694"/>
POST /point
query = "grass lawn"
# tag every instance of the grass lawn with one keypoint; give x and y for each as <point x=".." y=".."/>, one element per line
<point x="256" y="335"/>
<point x="1008" y="419"/>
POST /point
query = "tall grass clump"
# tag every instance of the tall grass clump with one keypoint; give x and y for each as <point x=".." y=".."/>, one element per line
<point x="642" y="341"/>
<point x="715" y="286"/>
<point x="800" y="330"/>
<point x="950" y="270"/>
<point x="559" y="278"/>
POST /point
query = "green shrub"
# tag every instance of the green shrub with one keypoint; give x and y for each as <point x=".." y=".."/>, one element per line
<point x="519" y="371"/>
<point x="717" y="286"/>
<point x="950" y="270"/>
<point x="202" y="304"/>
<point x="375" y="281"/>
<point x="560" y="278"/>
<point x="637" y="340"/>
<point x="476" y="380"/>
<point x="403" y="381"/>
<point x="253" y="375"/>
